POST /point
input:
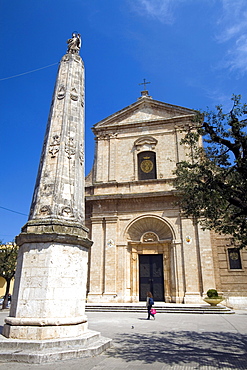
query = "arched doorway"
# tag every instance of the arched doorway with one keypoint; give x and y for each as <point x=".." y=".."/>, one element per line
<point x="152" y="262"/>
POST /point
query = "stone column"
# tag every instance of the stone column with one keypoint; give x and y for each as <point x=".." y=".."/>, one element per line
<point x="50" y="285"/>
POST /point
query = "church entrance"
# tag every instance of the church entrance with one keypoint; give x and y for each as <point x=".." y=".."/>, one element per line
<point x="151" y="277"/>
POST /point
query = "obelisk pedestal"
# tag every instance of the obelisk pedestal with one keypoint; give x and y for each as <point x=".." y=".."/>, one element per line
<point x="50" y="290"/>
<point x="50" y="283"/>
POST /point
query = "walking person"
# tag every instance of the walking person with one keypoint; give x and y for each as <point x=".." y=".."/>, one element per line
<point x="150" y="302"/>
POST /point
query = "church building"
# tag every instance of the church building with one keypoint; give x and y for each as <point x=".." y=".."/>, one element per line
<point x="141" y="241"/>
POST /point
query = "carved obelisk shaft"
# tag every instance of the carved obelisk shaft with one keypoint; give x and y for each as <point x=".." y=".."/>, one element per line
<point x="59" y="187"/>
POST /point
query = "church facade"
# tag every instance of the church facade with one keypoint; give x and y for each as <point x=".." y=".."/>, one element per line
<point x="141" y="240"/>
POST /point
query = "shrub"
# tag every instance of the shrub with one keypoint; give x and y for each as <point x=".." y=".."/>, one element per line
<point x="212" y="293"/>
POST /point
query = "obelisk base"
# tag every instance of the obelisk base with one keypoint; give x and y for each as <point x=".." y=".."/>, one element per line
<point x="88" y="344"/>
<point x="44" y="332"/>
<point x="50" y="282"/>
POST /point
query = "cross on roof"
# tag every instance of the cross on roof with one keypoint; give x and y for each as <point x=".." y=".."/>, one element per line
<point x="145" y="83"/>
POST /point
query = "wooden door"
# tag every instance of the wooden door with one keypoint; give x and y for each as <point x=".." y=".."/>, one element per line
<point x="151" y="276"/>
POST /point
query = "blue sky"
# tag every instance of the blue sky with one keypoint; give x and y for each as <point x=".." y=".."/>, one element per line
<point x="194" y="53"/>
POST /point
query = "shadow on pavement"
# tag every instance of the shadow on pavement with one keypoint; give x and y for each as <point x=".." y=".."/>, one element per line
<point x="204" y="349"/>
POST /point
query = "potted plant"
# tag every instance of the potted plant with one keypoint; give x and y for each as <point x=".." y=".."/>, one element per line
<point x="213" y="298"/>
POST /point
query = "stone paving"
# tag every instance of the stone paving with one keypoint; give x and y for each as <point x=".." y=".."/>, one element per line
<point x="172" y="341"/>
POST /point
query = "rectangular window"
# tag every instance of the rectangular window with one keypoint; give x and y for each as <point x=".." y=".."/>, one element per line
<point x="234" y="259"/>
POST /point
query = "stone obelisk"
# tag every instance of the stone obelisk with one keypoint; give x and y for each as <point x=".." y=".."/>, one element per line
<point x="50" y="282"/>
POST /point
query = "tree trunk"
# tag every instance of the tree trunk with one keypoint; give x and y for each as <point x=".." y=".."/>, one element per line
<point x="5" y="301"/>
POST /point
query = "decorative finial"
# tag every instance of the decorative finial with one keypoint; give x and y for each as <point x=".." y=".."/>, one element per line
<point x="144" y="93"/>
<point x="144" y="83"/>
<point x="74" y="44"/>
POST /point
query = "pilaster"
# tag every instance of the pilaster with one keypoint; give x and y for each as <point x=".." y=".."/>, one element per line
<point x="110" y="256"/>
<point x="192" y="273"/>
<point x="177" y="277"/>
<point x="96" y="260"/>
<point x="206" y="257"/>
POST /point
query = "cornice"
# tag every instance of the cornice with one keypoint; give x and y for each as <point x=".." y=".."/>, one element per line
<point x="134" y="196"/>
<point x="110" y="184"/>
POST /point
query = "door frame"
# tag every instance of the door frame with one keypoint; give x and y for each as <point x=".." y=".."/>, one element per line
<point x="151" y="285"/>
<point x="164" y="248"/>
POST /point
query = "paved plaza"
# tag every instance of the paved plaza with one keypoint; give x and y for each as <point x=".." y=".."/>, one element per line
<point x="172" y="341"/>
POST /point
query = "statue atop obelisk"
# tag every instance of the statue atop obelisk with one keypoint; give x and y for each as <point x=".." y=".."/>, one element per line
<point x="50" y="282"/>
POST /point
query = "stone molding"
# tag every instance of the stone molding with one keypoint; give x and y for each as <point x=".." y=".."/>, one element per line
<point x="45" y="321"/>
<point x="145" y="140"/>
<point x="111" y="219"/>
<point x="132" y="196"/>
<point x="96" y="220"/>
<point x="54" y="231"/>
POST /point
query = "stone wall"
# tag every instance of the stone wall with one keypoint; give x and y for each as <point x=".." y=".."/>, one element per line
<point x="232" y="283"/>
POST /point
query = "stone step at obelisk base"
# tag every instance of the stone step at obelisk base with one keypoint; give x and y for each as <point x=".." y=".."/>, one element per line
<point x="47" y="310"/>
<point x="160" y="307"/>
<point x="35" y="352"/>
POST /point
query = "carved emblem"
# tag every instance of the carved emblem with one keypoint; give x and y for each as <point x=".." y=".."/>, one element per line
<point x="70" y="147"/>
<point x="61" y="92"/>
<point x="54" y="146"/>
<point x="74" y="94"/>
<point x="150" y="237"/>
<point x="45" y="210"/>
<point x="147" y="165"/>
<point x="67" y="211"/>
<point x="48" y="189"/>
<point x="234" y="256"/>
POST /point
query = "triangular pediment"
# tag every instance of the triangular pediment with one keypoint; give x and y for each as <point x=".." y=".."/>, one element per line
<point x="144" y="110"/>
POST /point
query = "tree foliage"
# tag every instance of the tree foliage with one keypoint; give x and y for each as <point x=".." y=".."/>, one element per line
<point x="8" y="260"/>
<point x="212" y="181"/>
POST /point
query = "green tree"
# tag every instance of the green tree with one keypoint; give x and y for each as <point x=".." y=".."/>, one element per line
<point x="8" y="260"/>
<point x="212" y="181"/>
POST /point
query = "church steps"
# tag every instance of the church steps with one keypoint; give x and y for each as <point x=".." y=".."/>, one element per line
<point x="160" y="308"/>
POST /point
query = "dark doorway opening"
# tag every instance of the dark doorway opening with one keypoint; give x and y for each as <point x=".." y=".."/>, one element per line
<point x="151" y="277"/>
